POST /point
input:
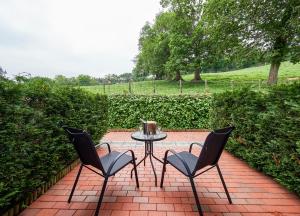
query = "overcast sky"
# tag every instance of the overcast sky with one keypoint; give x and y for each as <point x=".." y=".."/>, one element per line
<point x="71" y="37"/>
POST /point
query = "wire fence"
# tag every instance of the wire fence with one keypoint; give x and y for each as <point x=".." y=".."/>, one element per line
<point x="183" y="87"/>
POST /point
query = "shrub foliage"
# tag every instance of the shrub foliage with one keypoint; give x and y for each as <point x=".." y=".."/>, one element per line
<point x="267" y="133"/>
<point x="33" y="147"/>
<point x="175" y="112"/>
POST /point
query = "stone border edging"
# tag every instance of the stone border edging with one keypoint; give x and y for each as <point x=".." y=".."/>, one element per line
<point x="139" y="143"/>
<point x="166" y="130"/>
<point x="31" y="197"/>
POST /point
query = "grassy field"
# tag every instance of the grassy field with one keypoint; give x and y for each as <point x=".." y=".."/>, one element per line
<point x="255" y="77"/>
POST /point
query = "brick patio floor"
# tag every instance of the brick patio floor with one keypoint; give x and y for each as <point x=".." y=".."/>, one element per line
<point x="252" y="192"/>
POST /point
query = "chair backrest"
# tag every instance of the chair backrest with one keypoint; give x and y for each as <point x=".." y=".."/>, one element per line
<point x="213" y="147"/>
<point x="70" y="131"/>
<point x="84" y="147"/>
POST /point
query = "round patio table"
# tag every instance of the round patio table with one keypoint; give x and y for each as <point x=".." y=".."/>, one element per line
<point x="149" y="139"/>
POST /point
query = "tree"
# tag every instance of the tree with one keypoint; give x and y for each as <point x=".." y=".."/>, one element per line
<point x="154" y="47"/>
<point x="141" y="68"/>
<point x="2" y="73"/>
<point x="61" y="80"/>
<point x="189" y="44"/>
<point x="125" y="77"/>
<point x="85" y="80"/>
<point x="201" y="51"/>
<point x="270" y="27"/>
<point x="179" y="55"/>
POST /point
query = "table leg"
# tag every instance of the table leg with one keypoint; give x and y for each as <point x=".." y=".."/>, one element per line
<point x="144" y="158"/>
<point x="150" y="156"/>
<point x="153" y="170"/>
<point x="146" y="151"/>
<point x="157" y="158"/>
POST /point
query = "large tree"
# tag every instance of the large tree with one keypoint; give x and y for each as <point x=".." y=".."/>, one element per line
<point x="185" y="47"/>
<point x="85" y="80"/>
<point x="203" y="51"/>
<point x="2" y="72"/>
<point x="154" y="47"/>
<point x="271" y="27"/>
<point x="179" y="55"/>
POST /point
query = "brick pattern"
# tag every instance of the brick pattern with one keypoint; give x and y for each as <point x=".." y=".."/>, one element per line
<point x="252" y="192"/>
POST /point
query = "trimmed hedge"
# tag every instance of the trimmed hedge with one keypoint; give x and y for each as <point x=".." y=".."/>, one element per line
<point x="267" y="134"/>
<point x="33" y="148"/>
<point x="175" y="112"/>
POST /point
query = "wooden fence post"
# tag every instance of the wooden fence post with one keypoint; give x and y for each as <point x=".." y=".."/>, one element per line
<point x="11" y="212"/>
<point x="103" y="88"/>
<point x="180" y="86"/>
<point x="154" y="87"/>
<point x="205" y="86"/>
<point x="259" y="84"/>
<point x="17" y="209"/>
<point x="129" y="87"/>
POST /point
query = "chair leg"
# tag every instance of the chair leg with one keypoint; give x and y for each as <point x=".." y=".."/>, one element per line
<point x="75" y="183"/>
<point x="146" y="149"/>
<point x="135" y="172"/>
<point x="101" y="196"/>
<point x="163" y="173"/>
<point x="224" y="185"/>
<point x="196" y="196"/>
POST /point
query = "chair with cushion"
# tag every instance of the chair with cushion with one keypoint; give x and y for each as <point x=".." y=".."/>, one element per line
<point x="108" y="164"/>
<point x="189" y="164"/>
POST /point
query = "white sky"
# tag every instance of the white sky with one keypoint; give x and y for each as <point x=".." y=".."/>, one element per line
<point x="71" y="37"/>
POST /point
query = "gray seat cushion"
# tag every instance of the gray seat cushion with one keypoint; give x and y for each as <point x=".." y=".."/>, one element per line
<point x="108" y="159"/>
<point x="189" y="158"/>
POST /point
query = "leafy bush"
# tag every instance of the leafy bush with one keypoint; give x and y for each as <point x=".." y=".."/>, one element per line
<point x="176" y="112"/>
<point x="267" y="133"/>
<point x="33" y="147"/>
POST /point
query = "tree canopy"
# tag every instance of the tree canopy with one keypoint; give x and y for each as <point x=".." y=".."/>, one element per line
<point x="196" y="35"/>
<point x="2" y="72"/>
<point x="154" y="47"/>
<point x="268" y="27"/>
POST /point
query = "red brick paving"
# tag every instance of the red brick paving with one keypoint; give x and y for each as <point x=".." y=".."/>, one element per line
<point x="172" y="136"/>
<point x="252" y="192"/>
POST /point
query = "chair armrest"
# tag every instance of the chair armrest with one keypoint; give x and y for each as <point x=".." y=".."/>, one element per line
<point x="180" y="158"/>
<point x="117" y="158"/>
<point x="105" y="143"/>
<point x="195" y="143"/>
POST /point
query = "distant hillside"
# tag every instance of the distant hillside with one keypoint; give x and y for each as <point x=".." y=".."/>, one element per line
<point x="216" y="82"/>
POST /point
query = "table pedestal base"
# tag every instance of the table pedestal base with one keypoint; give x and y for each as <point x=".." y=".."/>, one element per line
<point x="149" y="152"/>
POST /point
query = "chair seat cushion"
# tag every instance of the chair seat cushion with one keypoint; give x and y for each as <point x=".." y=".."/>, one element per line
<point x="108" y="159"/>
<point x="189" y="158"/>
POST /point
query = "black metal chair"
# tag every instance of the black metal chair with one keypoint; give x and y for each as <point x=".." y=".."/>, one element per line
<point x="108" y="164"/>
<point x="189" y="164"/>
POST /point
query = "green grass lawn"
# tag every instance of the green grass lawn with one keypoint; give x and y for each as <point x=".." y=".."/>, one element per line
<point x="255" y="77"/>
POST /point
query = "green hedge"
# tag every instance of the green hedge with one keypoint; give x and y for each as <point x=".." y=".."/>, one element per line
<point x="267" y="133"/>
<point x="175" y="112"/>
<point x="33" y="148"/>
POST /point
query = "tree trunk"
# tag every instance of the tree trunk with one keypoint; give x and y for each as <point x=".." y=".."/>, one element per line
<point x="169" y="77"/>
<point x="273" y="74"/>
<point x="197" y="77"/>
<point x="279" y="51"/>
<point x="178" y="76"/>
